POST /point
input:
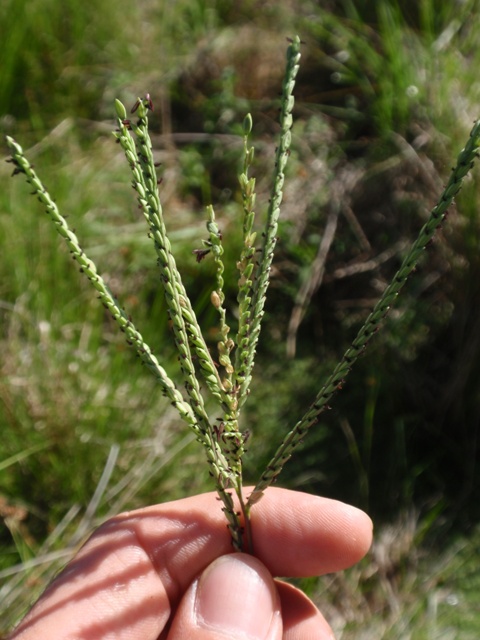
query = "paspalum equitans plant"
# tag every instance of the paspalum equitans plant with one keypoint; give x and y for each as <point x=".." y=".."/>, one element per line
<point x="229" y="381"/>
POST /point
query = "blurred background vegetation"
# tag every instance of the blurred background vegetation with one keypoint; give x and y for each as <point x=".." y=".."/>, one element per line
<point x="386" y="97"/>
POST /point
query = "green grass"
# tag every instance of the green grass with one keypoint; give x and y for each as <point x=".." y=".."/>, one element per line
<point x="386" y="95"/>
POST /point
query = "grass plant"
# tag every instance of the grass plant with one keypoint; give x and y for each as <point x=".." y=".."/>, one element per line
<point x="229" y="381"/>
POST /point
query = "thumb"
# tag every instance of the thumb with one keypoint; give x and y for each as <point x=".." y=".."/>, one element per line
<point x="235" y="597"/>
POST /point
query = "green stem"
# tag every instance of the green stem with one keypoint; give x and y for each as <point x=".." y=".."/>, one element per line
<point x="245" y="510"/>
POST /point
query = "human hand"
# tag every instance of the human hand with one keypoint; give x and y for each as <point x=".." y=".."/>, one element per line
<point x="168" y="572"/>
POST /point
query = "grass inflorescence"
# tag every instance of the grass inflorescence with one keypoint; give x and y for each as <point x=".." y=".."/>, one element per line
<point x="229" y="380"/>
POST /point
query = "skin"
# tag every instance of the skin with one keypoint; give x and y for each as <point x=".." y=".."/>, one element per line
<point x="169" y="572"/>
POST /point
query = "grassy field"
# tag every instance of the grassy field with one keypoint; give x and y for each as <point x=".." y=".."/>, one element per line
<point x="386" y="96"/>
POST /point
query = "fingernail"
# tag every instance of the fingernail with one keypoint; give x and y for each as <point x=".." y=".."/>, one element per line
<point x="236" y="596"/>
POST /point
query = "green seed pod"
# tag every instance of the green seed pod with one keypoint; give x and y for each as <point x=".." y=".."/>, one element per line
<point x="287" y="123"/>
<point x="225" y="361"/>
<point x="250" y="187"/>
<point x="120" y="109"/>
<point x="243" y="180"/>
<point x="247" y="124"/>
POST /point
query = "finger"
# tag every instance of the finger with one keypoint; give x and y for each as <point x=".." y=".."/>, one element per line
<point x="235" y="597"/>
<point x="109" y="590"/>
<point x="301" y="618"/>
<point x="294" y="534"/>
<point x="298" y="535"/>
